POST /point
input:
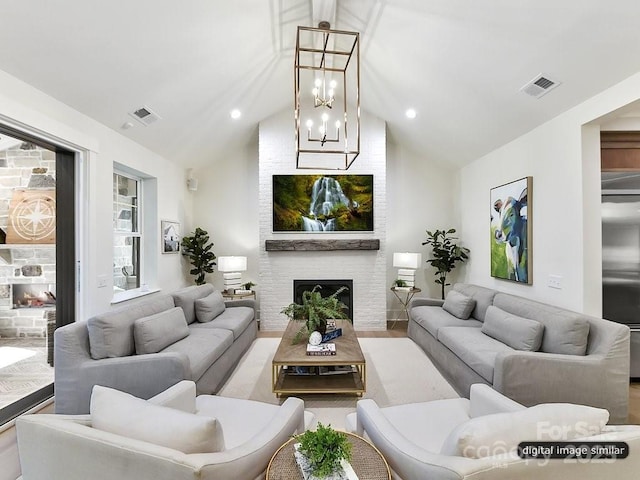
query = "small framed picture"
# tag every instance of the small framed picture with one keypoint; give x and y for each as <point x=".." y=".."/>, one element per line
<point x="170" y="232"/>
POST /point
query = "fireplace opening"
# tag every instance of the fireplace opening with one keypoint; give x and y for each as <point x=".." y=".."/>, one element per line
<point x="329" y="287"/>
<point x="33" y="295"/>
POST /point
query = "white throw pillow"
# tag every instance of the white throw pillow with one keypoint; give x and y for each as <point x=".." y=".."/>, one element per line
<point x="499" y="433"/>
<point x="123" y="414"/>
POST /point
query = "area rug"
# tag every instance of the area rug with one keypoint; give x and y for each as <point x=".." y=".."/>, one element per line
<point x="398" y="372"/>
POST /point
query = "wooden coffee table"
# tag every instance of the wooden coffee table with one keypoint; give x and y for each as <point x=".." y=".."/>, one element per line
<point x="348" y="352"/>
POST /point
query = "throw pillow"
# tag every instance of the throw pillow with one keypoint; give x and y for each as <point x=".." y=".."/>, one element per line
<point x="123" y="414"/>
<point x="517" y="332"/>
<point x="459" y="305"/>
<point x="496" y="434"/>
<point x="209" y="307"/>
<point x="156" y="332"/>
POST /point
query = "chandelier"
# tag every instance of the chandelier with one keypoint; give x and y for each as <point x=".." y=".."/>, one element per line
<point x="327" y="98"/>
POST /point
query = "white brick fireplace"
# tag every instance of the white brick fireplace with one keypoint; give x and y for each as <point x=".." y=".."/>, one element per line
<point x="367" y="268"/>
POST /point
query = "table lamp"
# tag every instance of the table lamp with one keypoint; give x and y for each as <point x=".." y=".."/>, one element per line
<point x="231" y="268"/>
<point x="407" y="264"/>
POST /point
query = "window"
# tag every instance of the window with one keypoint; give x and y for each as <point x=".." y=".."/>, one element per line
<point x="127" y="232"/>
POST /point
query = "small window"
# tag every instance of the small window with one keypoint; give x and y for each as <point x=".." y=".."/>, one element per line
<point x="127" y="232"/>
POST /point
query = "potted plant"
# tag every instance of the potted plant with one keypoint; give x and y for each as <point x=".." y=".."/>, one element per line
<point x="248" y="285"/>
<point x="315" y="310"/>
<point x="445" y="254"/>
<point x="198" y="248"/>
<point x="399" y="283"/>
<point x="324" y="450"/>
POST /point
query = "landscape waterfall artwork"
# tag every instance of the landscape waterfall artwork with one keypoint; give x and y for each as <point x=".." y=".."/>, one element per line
<point x="322" y="203"/>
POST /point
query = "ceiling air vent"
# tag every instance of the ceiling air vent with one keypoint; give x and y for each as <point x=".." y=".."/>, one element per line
<point x="539" y="86"/>
<point x="145" y="115"/>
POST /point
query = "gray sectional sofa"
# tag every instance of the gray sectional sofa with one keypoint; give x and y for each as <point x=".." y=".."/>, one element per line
<point x="142" y="349"/>
<point x="529" y="351"/>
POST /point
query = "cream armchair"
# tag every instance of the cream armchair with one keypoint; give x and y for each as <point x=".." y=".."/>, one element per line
<point x="476" y="439"/>
<point x="69" y="447"/>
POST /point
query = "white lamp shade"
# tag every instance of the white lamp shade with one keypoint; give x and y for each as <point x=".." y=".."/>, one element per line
<point x="407" y="260"/>
<point x="232" y="264"/>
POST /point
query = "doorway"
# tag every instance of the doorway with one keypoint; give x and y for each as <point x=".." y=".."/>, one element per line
<point x="37" y="264"/>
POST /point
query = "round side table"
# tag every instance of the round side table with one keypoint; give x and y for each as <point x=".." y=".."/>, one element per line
<point x="366" y="460"/>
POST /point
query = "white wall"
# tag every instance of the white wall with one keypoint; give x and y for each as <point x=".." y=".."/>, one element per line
<point x="25" y="107"/>
<point x="563" y="158"/>
<point x="226" y="205"/>
<point x="420" y="197"/>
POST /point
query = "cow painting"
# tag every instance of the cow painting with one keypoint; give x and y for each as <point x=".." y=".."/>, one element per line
<point x="510" y="252"/>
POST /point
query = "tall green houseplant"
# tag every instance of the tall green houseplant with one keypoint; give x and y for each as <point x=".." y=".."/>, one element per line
<point x="445" y="254"/>
<point x="198" y="248"/>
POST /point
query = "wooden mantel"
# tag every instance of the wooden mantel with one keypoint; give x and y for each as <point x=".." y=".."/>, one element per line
<point x="321" y="245"/>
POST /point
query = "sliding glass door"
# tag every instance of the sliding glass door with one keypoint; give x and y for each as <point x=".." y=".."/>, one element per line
<point x="37" y="259"/>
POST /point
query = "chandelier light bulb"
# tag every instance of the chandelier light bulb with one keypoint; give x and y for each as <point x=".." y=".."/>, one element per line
<point x="309" y="123"/>
<point x="325" y="117"/>
<point x="315" y="92"/>
<point x="333" y="84"/>
<point x="337" y="123"/>
<point x="331" y="93"/>
<point x="321" y="130"/>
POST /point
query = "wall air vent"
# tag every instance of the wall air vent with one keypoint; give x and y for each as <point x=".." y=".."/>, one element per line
<point x="145" y="115"/>
<point x="539" y="86"/>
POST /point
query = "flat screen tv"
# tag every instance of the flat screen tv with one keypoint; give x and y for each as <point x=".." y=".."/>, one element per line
<point x="323" y="203"/>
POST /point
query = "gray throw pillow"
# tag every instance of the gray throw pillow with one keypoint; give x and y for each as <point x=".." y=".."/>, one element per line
<point x="459" y="305"/>
<point x="517" y="332"/>
<point x="156" y="332"/>
<point x="209" y="307"/>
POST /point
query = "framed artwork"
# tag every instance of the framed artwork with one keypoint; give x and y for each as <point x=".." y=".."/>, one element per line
<point x="32" y="217"/>
<point x="322" y="203"/>
<point x="511" y="231"/>
<point x="170" y="236"/>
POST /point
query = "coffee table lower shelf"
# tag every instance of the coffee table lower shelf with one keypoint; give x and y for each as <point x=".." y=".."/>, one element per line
<point x="353" y="383"/>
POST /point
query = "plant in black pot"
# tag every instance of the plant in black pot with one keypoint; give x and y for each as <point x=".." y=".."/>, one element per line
<point x="445" y="254"/>
<point x="315" y="310"/>
<point x="198" y="248"/>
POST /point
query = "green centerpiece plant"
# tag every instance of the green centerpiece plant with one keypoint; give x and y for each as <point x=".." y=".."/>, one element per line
<point x="198" y="248"/>
<point x="445" y="254"/>
<point x="324" y="449"/>
<point x="315" y="310"/>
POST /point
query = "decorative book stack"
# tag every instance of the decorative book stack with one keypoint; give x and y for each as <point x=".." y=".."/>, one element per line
<point x="322" y="349"/>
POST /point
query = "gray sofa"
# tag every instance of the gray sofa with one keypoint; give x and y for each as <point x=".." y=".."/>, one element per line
<point x="143" y="349"/>
<point x="529" y="351"/>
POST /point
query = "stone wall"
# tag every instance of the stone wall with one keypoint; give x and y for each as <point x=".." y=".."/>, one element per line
<point x="30" y="167"/>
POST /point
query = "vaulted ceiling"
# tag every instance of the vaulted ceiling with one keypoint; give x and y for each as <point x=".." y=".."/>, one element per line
<point x="459" y="63"/>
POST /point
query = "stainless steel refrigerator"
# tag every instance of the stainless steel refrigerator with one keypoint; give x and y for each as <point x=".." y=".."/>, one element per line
<point x="621" y="255"/>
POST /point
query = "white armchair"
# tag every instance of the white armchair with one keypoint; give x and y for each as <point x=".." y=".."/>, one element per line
<point x="69" y="447"/>
<point x="459" y="439"/>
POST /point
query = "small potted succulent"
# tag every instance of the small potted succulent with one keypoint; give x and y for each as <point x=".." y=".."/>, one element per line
<point x="315" y="310"/>
<point x="323" y="451"/>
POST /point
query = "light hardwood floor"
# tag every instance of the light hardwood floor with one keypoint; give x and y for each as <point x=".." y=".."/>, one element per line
<point x="400" y="330"/>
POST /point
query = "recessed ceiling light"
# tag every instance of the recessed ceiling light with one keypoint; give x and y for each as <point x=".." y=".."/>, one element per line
<point x="235" y="113"/>
<point x="410" y="113"/>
